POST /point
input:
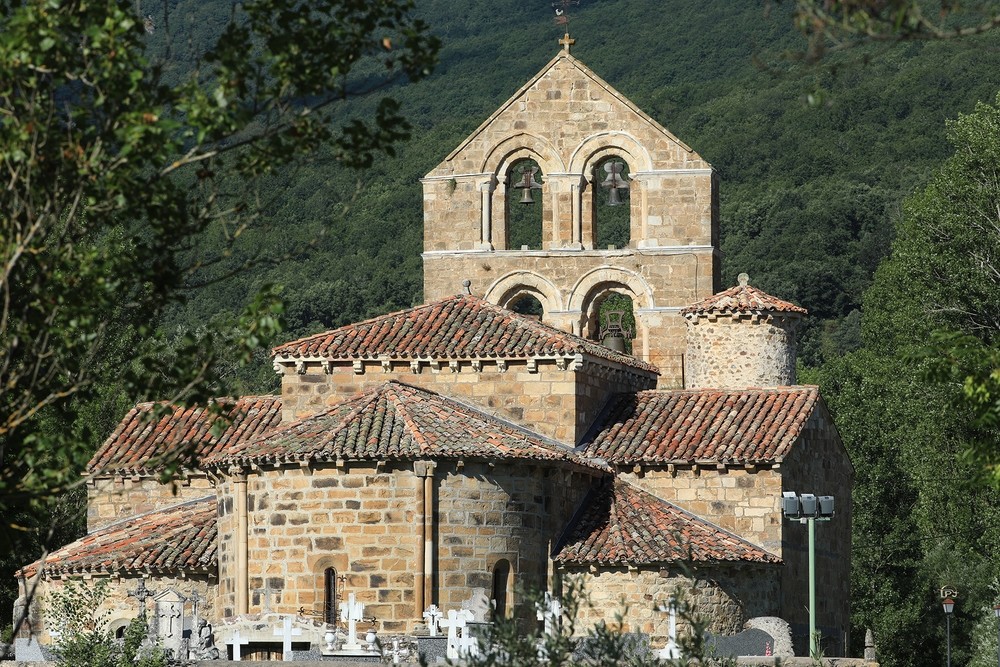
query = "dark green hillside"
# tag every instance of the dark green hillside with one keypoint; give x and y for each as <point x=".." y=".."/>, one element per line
<point x="808" y="191"/>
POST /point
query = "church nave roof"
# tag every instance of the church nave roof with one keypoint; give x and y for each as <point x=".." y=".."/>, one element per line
<point x="701" y="425"/>
<point x="620" y="524"/>
<point x="181" y="538"/>
<point x="399" y="421"/>
<point x="459" y="327"/>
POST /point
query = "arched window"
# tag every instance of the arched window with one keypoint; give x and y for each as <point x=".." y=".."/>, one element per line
<point x="528" y="305"/>
<point x="501" y="581"/>
<point x="330" y="595"/>
<point x="524" y="206"/>
<point x="611" y="204"/>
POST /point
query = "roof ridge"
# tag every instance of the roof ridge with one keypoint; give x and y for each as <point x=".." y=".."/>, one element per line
<point x="132" y="518"/>
<point x="370" y="320"/>
<point x="390" y="389"/>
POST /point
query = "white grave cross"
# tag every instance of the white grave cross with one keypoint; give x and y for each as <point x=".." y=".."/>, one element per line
<point x="550" y="610"/>
<point x="433" y="615"/>
<point x="351" y="612"/>
<point x="671" y="651"/>
<point x="286" y="632"/>
<point x="237" y="641"/>
<point x="458" y="643"/>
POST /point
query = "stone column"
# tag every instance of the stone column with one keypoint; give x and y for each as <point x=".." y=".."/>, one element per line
<point x="486" y="216"/>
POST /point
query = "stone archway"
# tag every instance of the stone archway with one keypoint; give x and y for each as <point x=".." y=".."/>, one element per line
<point x="506" y="290"/>
<point x="591" y="289"/>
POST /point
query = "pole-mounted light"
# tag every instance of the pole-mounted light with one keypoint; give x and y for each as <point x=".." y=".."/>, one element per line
<point x="808" y="508"/>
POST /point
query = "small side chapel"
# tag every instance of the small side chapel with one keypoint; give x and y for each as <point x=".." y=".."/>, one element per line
<point x="488" y="441"/>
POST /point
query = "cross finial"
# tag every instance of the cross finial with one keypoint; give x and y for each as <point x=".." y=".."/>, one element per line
<point x="567" y="42"/>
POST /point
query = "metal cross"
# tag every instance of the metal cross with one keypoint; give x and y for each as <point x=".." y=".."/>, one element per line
<point x="195" y="599"/>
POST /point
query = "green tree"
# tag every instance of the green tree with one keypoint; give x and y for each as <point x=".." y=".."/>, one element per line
<point x="111" y="174"/>
<point x="118" y="165"/>
<point x="925" y="518"/>
<point x="84" y="637"/>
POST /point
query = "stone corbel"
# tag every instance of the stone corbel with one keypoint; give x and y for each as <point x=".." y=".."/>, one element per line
<point x="359" y="367"/>
<point x="502" y="365"/>
<point x="327" y="367"/>
<point x="477" y="365"/>
<point x="532" y="365"/>
<point x="415" y="367"/>
<point x="386" y="365"/>
<point x="435" y="366"/>
<point x="300" y="367"/>
<point x="453" y="366"/>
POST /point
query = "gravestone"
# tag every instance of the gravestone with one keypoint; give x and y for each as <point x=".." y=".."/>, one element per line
<point x="286" y="632"/>
<point x="168" y="618"/>
<point x="478" y="604"/>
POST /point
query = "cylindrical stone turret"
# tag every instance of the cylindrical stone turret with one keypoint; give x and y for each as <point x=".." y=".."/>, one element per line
<point x="740" y="338"/>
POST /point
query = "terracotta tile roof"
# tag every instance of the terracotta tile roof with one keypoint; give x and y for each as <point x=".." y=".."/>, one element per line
<point x="620" y="524"/>
<point x="711" y="425"/>
<point x="178" y="539"/>
<point x="140" y="437"/>
<point x="743" y="298"/>
<point x="459" y="327"/>
<point x="398" y="421"/>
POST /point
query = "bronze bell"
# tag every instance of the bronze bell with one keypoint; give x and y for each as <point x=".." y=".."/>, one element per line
<point x="527" y="184"/>
<point x="614" y="181"/>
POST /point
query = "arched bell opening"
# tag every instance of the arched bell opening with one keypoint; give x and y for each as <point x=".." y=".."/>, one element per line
<point x="527" y="304"/>
<point x="611" y="320"/>
<point x="611" y="204"/>
<point x="523" y="209"/>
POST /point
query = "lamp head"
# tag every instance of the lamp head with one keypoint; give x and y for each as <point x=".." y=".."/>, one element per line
<point x="949" y="605"/>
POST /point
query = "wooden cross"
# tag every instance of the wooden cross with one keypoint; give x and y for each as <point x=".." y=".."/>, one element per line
<point x="567" y="42"/>
<point x="237" y="641"/>
<point x="286" y="632"/>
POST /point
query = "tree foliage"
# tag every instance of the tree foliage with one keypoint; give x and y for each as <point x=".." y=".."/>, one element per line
<point x="85" y="639"/>
<point x="834" y="24"/>
<point x="111" y="174"/>
<point x="925" y="518"/>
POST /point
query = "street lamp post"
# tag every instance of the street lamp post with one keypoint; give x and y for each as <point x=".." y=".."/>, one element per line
<point x="949" y="607"/>
<point x="996" y="612"/>
<point x="809" y="509"/>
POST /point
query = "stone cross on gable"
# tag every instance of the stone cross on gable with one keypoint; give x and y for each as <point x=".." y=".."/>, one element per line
<point x="567" y="42"/>
<point x="237" y="641"/>
<point x="141" y="593"/>
<point x="433" y="615"/>
<point x="286" y="632"/>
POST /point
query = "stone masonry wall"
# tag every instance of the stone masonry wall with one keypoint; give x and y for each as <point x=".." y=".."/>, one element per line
<point x="725" y="597"/>
<point x="569" y="121"/>
<point x="111" y="499"/>
<point x="746" y="502"/>
<point x="819" y="464"/>
<point x="556" y="403"/>
<point x="738" y="351"/>
<point x="362" y="520"/>
<point x="570" y="285"/>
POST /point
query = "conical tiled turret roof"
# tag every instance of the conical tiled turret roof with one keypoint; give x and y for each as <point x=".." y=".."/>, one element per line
<point x="742" y="299"/>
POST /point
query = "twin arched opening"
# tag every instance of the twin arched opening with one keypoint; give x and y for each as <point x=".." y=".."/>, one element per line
<point x="535" y="202"/>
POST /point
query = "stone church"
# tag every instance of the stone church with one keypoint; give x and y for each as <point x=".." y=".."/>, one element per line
<point x="466" y="446"/>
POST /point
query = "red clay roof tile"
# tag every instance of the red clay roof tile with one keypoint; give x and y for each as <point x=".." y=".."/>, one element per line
<point x="178" y="539"/>
<point x="459" y="327"/>
<point x="141" y="441"/>
<point x="686" y="426"/>
<point x="396" y="420"/>
<point x="742" y="298"/>
<point x="620" y="524"/>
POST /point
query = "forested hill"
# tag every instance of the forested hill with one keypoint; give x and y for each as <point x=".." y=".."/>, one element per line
<point x="809" y="191"/>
